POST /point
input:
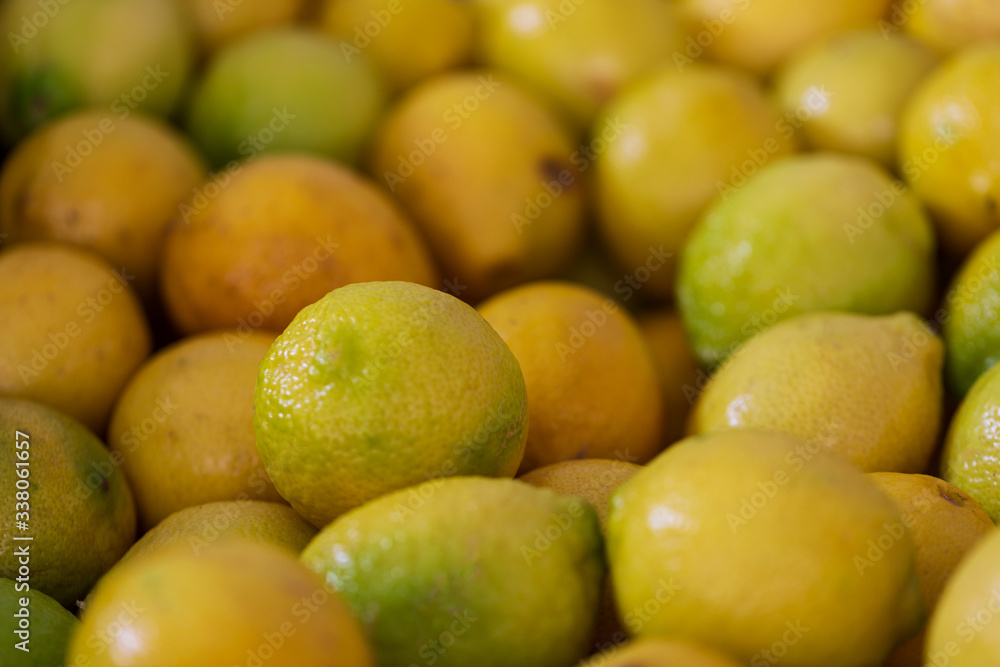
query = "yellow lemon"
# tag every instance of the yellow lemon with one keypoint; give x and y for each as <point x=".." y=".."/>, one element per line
<point x="379" y="386"/>
<point x="183" y="427"/>
<point x="868" y="388"/>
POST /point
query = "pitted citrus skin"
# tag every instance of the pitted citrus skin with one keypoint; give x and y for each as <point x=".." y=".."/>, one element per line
<point x="383" y="385"/>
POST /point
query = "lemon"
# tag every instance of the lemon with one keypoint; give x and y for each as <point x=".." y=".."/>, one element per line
<point x="970" y="328"/>
<point x="382" y="385"/>
<point x="813" y="232"/>
<point x="202" y="525"/>
<point x="755" y="543"/>
<point x="445" y="148"/>
<point x="238" y="602"/>
<point x="971" y="456"/>
<point x="949" y="25"/>
<point x="578" y="54"/>
<point x="661" y="653"/>
<point x="285" y="89"/>
<point x="868" y="388"/>
<point x="949" y="146"/>
<point x="116" y="201"/>
<point x="594" y="480"/>
<point x="219" y="24"/>
<point x="37" y="633"/>
<point x="121" y="55"/>
<point x="408" y="40"/>
<point x="759" y="35"/>
<point x="70" y="498"/>
<point x="679" y="374"/>
<point x="964" y="631"/>
<point x="593" y="391"/>
<point x="680" y="137"/>
<point x="183" y="426"/>
<point x="253" y="248"/>
<point x="468" y="571"/>
<point x="73" y="330"/>
<point x="946" y="525"/>
<point x="851" y="90"/>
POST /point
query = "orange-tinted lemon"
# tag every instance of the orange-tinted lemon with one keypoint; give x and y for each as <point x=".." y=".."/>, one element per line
<point x="593" y="389"/>
<point x="253" y="248"/>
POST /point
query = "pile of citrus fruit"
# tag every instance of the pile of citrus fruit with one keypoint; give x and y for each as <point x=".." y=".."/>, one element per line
<point x="500" y="333"/>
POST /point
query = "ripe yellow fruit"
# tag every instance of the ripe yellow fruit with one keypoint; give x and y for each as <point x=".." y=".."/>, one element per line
<point x="964" y="631"/>
<point x="949" y="146"/>
<point x="946" y="525"/>
<point x="755" y="543"/>
<point x="73" y="330"/>
<point x="183" y="427"/>
<point x="71" y="499"/>
<point x="760" y="34"/>
<point x="679" y="139"/>
<point x="116" y="200"/>
<point x="253" y="248"/>
<point x="578" y="54"/>
<point x="238" y="602"/>
<point x="489" y="174"/>
<point x="200" y="526"/>
<point x="848" y="93"/>
<point x="868" y="388"/>
<point x="593" y="391"/>
<point x="594" y="480"/>
<point x="948" y="25"/>
<point x="379" y="386"/>
<point x="408" y="40"/>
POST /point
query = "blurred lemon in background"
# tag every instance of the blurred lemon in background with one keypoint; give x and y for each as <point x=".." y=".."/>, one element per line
<point x="287" y="89"/>
<point x="73" y="330"/>
<point x="77" y="506"/>
<point x="847" y="93"/>
<point x="670" y="142"/>
<point x="201" y="525"/>
<point x="961" y="632"/>
<point x="183" y="426"/>
<point x="578" y="54"/>
<point x="947" y="25"/>
<point x="490" y="176"/>
<point x="120" y="55"/>
<point x="104" y="183"/>
<point x="408" y="40"/>
<point x="759" y="35"/>
<point x="256" y="245"/>
<point x="220" y="23"/>
<point x="946" y="525"/>
<point x="949" y="146"/>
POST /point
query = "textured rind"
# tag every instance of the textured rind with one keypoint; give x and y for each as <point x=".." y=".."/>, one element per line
<point x="380" y="386"/>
